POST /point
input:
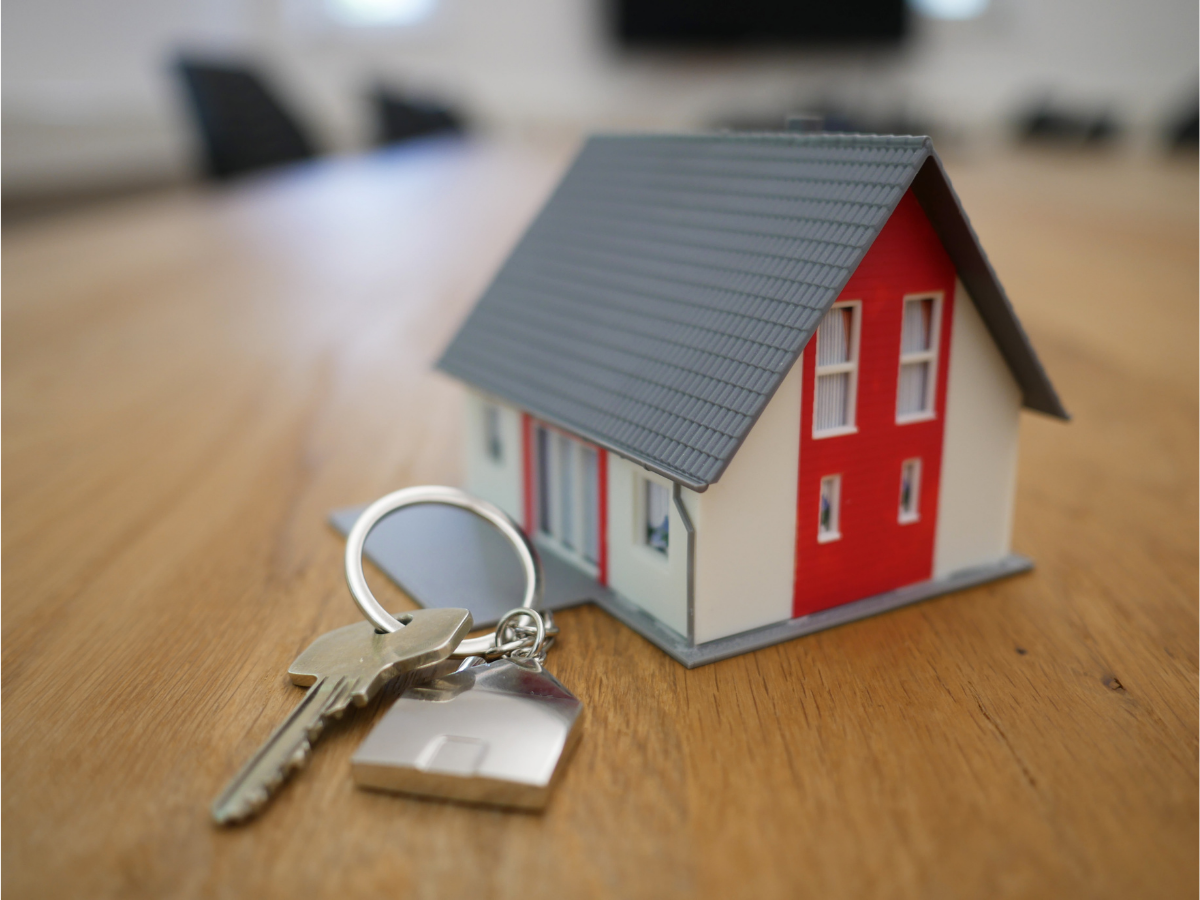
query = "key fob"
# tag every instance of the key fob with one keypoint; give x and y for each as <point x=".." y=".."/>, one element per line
<point x="496" y="733"/>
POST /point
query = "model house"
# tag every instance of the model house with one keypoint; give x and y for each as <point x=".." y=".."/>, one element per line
<point x="752" y="385"/>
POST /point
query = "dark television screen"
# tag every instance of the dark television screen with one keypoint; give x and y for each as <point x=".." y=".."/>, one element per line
<point x="685" y="22"/>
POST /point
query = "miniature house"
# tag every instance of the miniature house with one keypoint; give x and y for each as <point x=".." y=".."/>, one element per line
<point x="752" y="385"/>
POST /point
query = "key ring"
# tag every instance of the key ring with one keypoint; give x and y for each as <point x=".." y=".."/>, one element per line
<point x="413" y="496"/>
<point x="524" y="650"/>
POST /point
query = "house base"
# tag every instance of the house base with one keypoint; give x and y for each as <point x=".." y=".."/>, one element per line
<point x="692" y="655"/>
<point x="446" y="557"/>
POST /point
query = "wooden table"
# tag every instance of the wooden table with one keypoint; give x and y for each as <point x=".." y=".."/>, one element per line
<point x="192" y="381"/>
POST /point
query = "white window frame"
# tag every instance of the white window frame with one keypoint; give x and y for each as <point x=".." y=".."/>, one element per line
<point x="930" y="356"/>
<point x="835" y="520"/>
<point x="907" y="517"/>
<point x="551" y="534"/>
<point x="641" y="513"/>
<point x="851" y="426"/>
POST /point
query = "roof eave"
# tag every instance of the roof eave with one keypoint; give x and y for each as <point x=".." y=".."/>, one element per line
<point x="667" y="472"/>
<point x="945" y="212"/>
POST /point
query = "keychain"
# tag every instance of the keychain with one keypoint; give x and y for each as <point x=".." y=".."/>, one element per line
<point x="494" y="731"/>
<point x="497" y="730"/>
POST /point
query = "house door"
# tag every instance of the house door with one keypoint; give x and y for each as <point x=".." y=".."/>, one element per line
<point x="567" y="508"/>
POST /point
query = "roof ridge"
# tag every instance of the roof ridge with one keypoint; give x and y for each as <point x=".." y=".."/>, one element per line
<point x="832" y="138"/>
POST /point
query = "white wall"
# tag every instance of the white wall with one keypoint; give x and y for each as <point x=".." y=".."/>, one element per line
<point x="86" y="94"/>
<point x="746" y="526"/>
<point x="656" y="583"/>
<point x="979" y="453"/>
<point x="499" y="482"/>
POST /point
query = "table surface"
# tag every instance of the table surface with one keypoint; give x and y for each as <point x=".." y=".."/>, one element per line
<point x="192" y="381"/>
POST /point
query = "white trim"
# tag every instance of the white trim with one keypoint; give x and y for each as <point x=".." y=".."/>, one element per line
<point x="850" y="367"/>
<point x="835" y="520"/>
<point x="835" y="432"/>
<point x="930" y="356"/>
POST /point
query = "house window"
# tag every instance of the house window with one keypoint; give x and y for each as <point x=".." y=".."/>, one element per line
<point x="829" y="511"/>
<point x="910" y="490"/>
<point x="492" y="441"/>
<point x="568" y="494"/>
<point x="918" y="359"/>
<point x="656" y="516"/>
<point x="837" y="371"/>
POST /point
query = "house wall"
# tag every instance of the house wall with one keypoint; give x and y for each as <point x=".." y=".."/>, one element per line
<point x="876" y="551"/>
<point x="499" y="482"/>
<point x="746" y="526"/>
<point x="979" y="456"/>
<point x="647" y="578"/>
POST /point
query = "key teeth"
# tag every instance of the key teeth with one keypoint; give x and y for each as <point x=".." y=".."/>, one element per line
<point x="257" y="801"/>
<point x="299" y="759"/>
<point x="253" y="801"/>
<point x="324" y="705"/>
<point x="248" y="805"/>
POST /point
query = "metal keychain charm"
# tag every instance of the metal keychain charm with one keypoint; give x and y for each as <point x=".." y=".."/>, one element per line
<point x="499" y="729"/>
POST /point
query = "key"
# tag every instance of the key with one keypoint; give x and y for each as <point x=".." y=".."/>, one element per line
<point x="348" y="665"/>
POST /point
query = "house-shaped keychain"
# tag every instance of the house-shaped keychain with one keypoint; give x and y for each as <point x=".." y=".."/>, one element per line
<point x="752" y="385"/>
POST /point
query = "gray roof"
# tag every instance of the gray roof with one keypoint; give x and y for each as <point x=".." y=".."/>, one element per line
<point x="670" y="282"/>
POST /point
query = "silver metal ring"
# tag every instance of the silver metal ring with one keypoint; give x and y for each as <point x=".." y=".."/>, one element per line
<point x="413" y="496"/>
<point x="522" y="649"/>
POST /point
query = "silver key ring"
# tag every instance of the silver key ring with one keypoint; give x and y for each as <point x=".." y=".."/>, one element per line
<point x="524" y="649"/>
<point x="413" y="496"/>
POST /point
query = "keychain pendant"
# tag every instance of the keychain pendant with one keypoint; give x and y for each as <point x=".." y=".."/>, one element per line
<point x="496" y="733"/>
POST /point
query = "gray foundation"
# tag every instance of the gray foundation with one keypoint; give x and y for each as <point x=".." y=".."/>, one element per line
<point x="442" y="557"/>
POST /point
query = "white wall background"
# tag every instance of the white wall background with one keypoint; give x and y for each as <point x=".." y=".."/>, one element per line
<point x="87" y="97"/>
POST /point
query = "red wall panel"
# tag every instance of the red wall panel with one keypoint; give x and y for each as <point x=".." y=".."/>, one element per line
<point x="876" y="553"/>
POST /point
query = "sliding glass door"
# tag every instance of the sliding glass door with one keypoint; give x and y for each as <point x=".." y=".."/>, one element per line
<point x="568" y="495"/>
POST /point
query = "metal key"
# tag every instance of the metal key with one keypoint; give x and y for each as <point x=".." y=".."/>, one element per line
<point x="345" y="666"/>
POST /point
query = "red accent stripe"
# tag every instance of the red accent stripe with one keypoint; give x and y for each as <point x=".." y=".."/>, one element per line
<point x="602" y="490"/>
<point x="527" y="466"/>
<point x="876" y="552"/>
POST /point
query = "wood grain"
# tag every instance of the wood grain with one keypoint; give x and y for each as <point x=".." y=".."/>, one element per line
<point x="192" y="381"/>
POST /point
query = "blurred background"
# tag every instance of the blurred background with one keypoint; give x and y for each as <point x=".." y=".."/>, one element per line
<point x="115" y="96"/>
